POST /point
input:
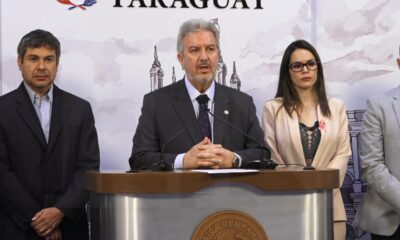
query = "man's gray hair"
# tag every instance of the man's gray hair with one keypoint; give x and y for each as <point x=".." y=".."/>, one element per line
<point x="195" y="25"/>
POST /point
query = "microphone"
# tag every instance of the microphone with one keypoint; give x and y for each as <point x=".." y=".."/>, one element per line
<point x="162" y="160"/>
<point x="308" y="165"/>
<point x="264" y="163"/>
<point x="163" y="165"/>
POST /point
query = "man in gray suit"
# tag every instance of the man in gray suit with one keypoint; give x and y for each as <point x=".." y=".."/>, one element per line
<point x="168" y="129"/>
<point x="379" y="212"/>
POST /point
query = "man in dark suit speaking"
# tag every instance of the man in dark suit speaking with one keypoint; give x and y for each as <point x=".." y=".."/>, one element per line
<point x="176" y="126"/>
<point x="47" y="142"/>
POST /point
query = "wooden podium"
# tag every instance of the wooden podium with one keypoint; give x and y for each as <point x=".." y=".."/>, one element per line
<point x="286" y="203"/>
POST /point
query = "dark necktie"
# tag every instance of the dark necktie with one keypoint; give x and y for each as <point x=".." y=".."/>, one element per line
<point x="203" y="120"/>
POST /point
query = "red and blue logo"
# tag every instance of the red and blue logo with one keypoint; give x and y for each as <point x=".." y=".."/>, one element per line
<point x="83" y="6"/>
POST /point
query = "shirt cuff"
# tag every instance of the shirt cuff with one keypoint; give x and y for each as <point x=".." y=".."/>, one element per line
<point x="178" y="164"/>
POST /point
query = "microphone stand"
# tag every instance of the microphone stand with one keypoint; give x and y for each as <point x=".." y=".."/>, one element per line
<point x="163" y="165"/>
<point x="264" y="163"/>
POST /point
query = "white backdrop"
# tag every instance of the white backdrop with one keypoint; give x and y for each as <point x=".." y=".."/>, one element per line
<point x="107" y="51"/>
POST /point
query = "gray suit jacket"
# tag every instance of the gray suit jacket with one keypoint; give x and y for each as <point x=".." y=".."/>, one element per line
<point x="379" y="212"/>
<point x="169" y="110"/>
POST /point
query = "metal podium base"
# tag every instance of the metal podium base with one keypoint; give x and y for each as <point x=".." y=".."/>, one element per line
<point x="283" y="215"/>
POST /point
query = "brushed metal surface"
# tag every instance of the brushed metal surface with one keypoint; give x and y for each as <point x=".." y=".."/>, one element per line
<point x="283" y="215"/>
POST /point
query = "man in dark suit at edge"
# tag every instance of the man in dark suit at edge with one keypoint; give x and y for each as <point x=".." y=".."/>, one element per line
<point x="47" y="142"/>
<point x="207" y="142"/>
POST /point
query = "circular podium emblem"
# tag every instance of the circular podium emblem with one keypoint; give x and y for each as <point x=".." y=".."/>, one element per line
<point x="229" y="225"/>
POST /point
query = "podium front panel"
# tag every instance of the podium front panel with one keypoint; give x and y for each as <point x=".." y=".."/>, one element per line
<point x="296" y="214"/>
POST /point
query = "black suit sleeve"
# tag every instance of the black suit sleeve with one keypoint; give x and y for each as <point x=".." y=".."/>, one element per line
<point x="74" y="199"/>
<point x="253" y="149"/>
<point x="14" y="199"/>
<point x="146" y="141"/>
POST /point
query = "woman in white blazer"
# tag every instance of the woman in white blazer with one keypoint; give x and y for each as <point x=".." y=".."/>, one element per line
<point x="303" y="126"/>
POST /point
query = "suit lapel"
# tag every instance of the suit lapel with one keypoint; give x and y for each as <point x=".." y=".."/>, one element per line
<point x="396" y="105"/>
<point x="221" y="109"/>
<point x="26" y="110"/>
<point x="293" y="125"/>
<point x="324" y="138"/>
<point x="57" y="113"/>
<point x="184" y="109"/>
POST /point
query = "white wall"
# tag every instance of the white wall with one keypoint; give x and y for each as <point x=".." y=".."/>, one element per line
<point x="107" y="52"/>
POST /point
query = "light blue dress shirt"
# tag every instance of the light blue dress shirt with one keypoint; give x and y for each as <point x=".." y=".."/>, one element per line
<point x="43" y="107"/>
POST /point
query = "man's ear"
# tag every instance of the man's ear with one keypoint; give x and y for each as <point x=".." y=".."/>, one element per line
<point x="19" y="62"/>
<point x="180" y="59"/>
<point x="398" y="62"/>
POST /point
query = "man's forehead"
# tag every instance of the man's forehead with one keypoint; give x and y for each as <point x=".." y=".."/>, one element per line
<point x="43" y="50"/>
<point x="197" y="35"/>
<point x="198" y="44"/>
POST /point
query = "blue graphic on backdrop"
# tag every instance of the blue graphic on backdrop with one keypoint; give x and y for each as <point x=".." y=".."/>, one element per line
<point x="83" y="6"/>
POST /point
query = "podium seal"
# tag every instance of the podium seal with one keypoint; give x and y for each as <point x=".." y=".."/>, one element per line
<point x="229" y="225"/>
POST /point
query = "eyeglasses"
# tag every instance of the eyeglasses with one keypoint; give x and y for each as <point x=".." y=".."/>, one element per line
<point x="298" y="66"/>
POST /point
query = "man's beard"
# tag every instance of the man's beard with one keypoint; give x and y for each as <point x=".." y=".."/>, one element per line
<point x="203" y="79"/>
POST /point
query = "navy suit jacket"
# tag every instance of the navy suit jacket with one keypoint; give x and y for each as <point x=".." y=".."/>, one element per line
<point x="35" y="174"/>
<point x="168" y="110"/>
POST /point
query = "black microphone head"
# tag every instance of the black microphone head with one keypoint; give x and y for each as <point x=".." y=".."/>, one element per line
<point x="261" y="164"/>
<point x="309" y="168"/>
<point x="161" y="165"/>
<point x="308" y="165"/>
<point x="164" y="166"/>
<point x="268" y="164"/>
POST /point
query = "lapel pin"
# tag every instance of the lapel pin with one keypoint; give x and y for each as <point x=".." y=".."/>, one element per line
<point x="226" y="112"/>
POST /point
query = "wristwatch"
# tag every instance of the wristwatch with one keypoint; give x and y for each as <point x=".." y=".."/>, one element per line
<point x="235" y="161"/>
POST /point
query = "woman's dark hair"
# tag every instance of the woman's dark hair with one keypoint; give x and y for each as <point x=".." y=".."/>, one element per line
<point x="286" y="89"/>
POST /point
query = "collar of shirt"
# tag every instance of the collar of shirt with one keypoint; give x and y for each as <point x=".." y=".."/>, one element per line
<point x="33" y="96"/>
<point x="194" y="93"/>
